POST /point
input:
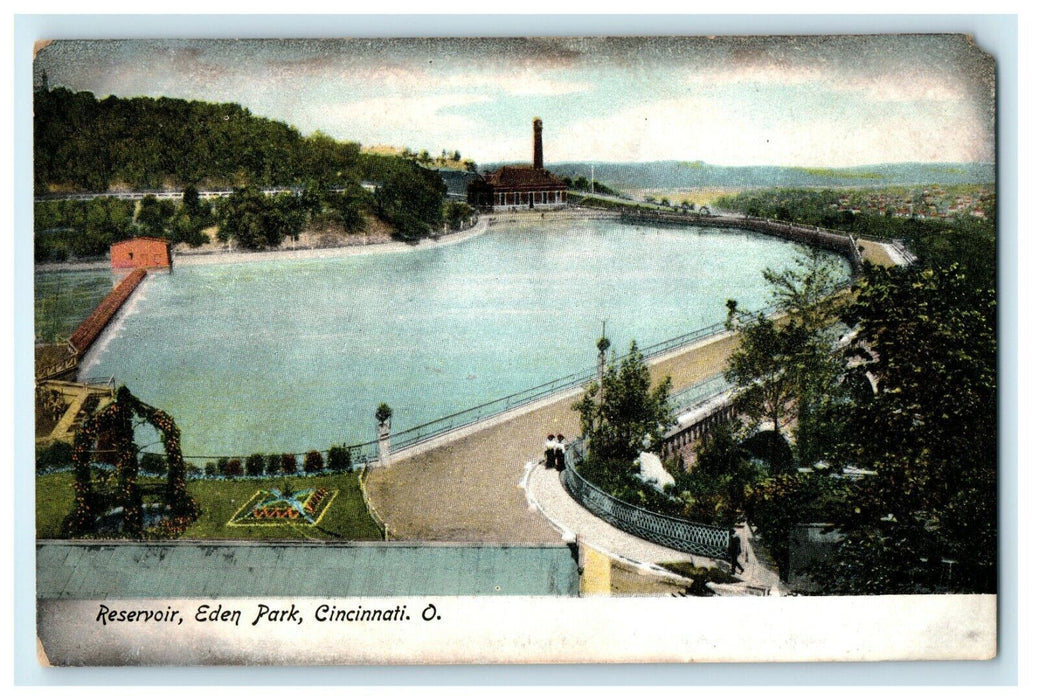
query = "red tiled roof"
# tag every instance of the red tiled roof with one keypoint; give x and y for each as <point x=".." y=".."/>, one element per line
<point x="523" y="177"/>
<point x="141" y="238"/>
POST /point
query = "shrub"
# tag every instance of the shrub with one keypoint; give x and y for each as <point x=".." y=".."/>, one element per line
<point x="773" y="449"/>
<point x="339" y="458"/>
<point x="254" y="465"/>
<point x="313" y="462"/>
<point x="192" y="470"/>
<point x="288" y="463"/>
<point x="152" y="463"/>
<point x="273" y="464"/>
<point x="233" y="467"/>
<point x="221" y="466"/>
<point x="211" y="469"/>
<point x="56" y="454"/>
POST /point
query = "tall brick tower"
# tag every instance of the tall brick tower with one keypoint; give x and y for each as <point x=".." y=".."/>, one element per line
<point x="539" y="157"/>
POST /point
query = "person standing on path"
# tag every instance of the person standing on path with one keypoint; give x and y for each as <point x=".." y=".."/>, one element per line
<point x="734" y="551"/>
<point x="550" y="451"/>
<point x="560" y="452"/>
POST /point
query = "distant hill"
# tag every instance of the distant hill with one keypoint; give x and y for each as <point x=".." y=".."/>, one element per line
<point x="84" y="144"/>
<point x="674" y="174"/>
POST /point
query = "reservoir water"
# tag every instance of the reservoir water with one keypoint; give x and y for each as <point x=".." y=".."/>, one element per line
<point x="293" y="355"/>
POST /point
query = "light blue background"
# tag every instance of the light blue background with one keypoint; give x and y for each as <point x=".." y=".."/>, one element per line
<point x="994" y="33"/>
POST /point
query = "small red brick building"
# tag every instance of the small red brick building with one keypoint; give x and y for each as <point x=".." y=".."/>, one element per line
<point x="516" y="186"/>
<point x="144" y="252"/>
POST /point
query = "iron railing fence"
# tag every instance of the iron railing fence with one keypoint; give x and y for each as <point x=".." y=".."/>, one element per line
<point x="699" y="393"/>
<point x="675" y="533"/>
<point x="427" y="431"/>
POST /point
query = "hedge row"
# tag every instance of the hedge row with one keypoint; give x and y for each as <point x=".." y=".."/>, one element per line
<point x="59" y="455"/>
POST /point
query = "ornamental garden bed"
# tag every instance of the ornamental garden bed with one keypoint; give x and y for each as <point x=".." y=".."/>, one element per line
<point x="286" y="505"/>
<point x="344" y="518"/>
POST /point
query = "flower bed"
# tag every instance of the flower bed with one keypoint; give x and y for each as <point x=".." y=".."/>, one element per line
<point x="305" y="507"/>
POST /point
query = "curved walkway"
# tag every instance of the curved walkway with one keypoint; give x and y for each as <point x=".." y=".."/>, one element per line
<point x="546" y="494"/>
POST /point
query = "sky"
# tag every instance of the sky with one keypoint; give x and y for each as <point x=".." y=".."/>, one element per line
<point x="796" y="101"/>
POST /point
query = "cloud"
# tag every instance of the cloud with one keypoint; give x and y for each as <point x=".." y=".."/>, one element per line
<point x="419" y="121"/>
<point x="720" y="131"/>
<point x="518" y="80"/>
<point x="908" y="86"/>
<point x="764" y="74"/>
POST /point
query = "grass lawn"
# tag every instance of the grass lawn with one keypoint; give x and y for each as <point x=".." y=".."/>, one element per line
<point x="54" y="498"/>
<point x="346" y="518"/>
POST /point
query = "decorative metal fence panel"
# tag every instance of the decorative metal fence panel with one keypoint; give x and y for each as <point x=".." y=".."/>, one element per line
<point x="700" y="392"/>
<point x="683" y="535"/>
<point x="432" y="429"/>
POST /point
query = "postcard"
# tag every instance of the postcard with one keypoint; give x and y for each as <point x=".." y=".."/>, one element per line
<point x="515" y="350"/>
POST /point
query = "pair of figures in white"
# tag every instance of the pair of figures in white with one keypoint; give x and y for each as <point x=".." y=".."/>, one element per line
<point x="555" y="448"/>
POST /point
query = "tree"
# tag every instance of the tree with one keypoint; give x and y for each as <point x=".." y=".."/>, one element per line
<point x="785" y="368"/>
<point x="257" y="221"/>
<point x="254" y="465"/>
<point x="411" y="200"/>
<point x="778" y="503"/>
<point x="346" y="208"/>
<point x="762" y="368"/>
<point x="339" y="458"/>
<point x="313" y="462"/>
<point x="240" y="217"/>
<point x="630" y="409"/>
<point x="190" y="201"/>
<point x="723" y="476"/>
<point x="457" y="212"/>
<point x="806" y="290"/>
<point x="928" y="432"/>
<point x="154" y="216"/>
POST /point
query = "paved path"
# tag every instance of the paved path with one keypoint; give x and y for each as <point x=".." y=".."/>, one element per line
<point x="465" y="487"/>
<point x="546" y="494"/>
<point x="756" y="578"/>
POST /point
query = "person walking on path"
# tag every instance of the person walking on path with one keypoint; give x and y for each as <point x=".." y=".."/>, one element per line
<point x="560" y="452"/>
<point x="550" y="451"/>
<point x="734" y="551"/>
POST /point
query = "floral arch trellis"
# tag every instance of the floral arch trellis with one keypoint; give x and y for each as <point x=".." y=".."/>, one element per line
<point x="113" y="427"/>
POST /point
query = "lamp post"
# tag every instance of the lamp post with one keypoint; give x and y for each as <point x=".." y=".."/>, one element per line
<point x="603" y="345"/>
<point x="383" y="414"/>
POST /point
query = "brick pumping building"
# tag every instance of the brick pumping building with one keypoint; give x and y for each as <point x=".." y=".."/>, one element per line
<point x="145" y="252"/>
<point x="519" y="186"/>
